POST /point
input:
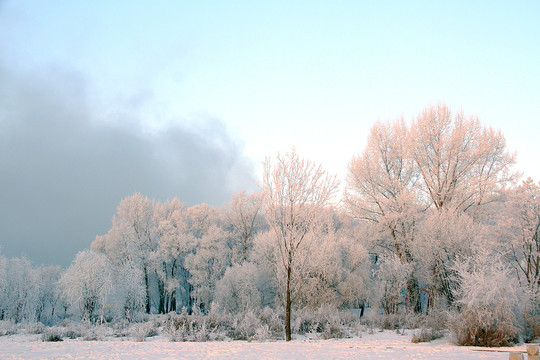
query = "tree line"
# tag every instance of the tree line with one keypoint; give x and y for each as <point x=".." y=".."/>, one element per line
<point x="433" y="220"/>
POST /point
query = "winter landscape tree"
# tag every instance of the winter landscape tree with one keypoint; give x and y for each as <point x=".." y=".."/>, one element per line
<point x="461" y="163"/>
<point x="443" y="162"/>
<point x="295" y="192"/>
<point x="241" y="213"/>
<point x="382" y="188"/>
<point x="86" y="283"/>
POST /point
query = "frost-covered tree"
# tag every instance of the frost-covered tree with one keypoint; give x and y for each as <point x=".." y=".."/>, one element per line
<point x="3" y="287"/>
<point x="521" y="225"/>
<point x="462" y="164"/>
<point x="265" y="256"/>
<point x="295" y="192"/>
<point x="335" y="266"/>
<point x="18" y="289"/>
<point x="200" y="218"/>
<point x="238" y="291"/>
<point x="441" y="238"/>
<point x="47" y="292"/>
<point x="382" y="188"/>
<point x="132" y="237"/>
<point x="381" y="184"/>
<point x="207" y="264"/>
<point x="241" y="214"/>
<point x="86" y="283"/>
<point x="518" y="230"/>
<point x="128" y="292"/>
<point x="444" y="163"/>
<point x="174" y="242"/>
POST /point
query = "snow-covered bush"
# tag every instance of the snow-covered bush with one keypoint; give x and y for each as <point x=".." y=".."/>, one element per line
<point x="245" y="325"/>
<point x="262" y="333"/>
<point x="274" y="319"/>
<point x="74" y="330"/>
<point x="35" y="328"/>
<point x="7" y="327"/>
<point x="326" y="322"/>
<point x="488" y="301"/>
<point x="195" y="327"/>
<point x="426" y="335"/>
<point x="52" y="334"/>
<point x="139" y="332"/>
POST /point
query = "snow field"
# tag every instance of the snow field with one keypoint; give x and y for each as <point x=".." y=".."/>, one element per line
<point x="385" y="345"/>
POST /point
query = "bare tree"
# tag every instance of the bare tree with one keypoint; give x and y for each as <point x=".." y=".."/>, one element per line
<point x="461" y="163"/>
<point x="462" y="166"/>
<point x="522" y="225"/>
<point x="86" y="283"/>
<point x="241" y="214"/>
<point x="173" y="244"/>
<point x="381" y="183"/>
<point x="132" y="237"/>
<point x="295" y="192"/>
<point x="381" y="188"/>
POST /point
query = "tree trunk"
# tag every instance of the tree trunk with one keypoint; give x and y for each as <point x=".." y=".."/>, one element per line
<point x="413" y="301"/>
<point x="161" y="289"/>
<point x="147" y="289"/>
<point x="288" y="306"/>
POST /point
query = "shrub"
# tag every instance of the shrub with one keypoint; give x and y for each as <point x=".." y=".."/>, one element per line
<point x="275" y="320"/>
<point x="184" y="327"/>
<point x="326" y="322"/>
<point x="139" y="332"/>
<point x="35" y="328"/>
<point x="245" y="326"/>
<point x="426" y="335"/>
<point x="7" y="328"/>
<point x="263" y="333"/>
<point x="480" y="327"/>
<point x="332" y="331"/>
<point x="74" y="331"/>
<point x="531" y="318"/>
<point x="51" y="334"/>
<point x="487" y="302"/>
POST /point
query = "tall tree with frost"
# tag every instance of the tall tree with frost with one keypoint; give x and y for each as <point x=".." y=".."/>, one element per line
<point x="86" y="283"/>
<point x="461" y="163"/>
<point x="173" y="244"/>
<point x="241" y="214"/>
<point x="132" y="237"/>
<point x="523" y="230"/>
<point x="295" y="192"/>
<point x="18" y="290"/>
<point x="207" y="264"/>
<point x="381" y="188"/>
<point x="462" y="166"/>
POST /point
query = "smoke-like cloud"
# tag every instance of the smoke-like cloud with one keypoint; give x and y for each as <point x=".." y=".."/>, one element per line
<point x="64" y="169"/>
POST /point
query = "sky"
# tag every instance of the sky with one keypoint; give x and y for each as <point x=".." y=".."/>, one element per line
<point x="102" y="99"/>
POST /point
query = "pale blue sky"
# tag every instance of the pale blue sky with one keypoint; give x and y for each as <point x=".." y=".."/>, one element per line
<point x="313" y="74"/>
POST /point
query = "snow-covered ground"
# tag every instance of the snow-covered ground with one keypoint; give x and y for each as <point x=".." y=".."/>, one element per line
<point x="380" y="345"/>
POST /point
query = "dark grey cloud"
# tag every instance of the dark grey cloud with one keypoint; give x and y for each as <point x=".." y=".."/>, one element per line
<point x="63" y="170"/>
